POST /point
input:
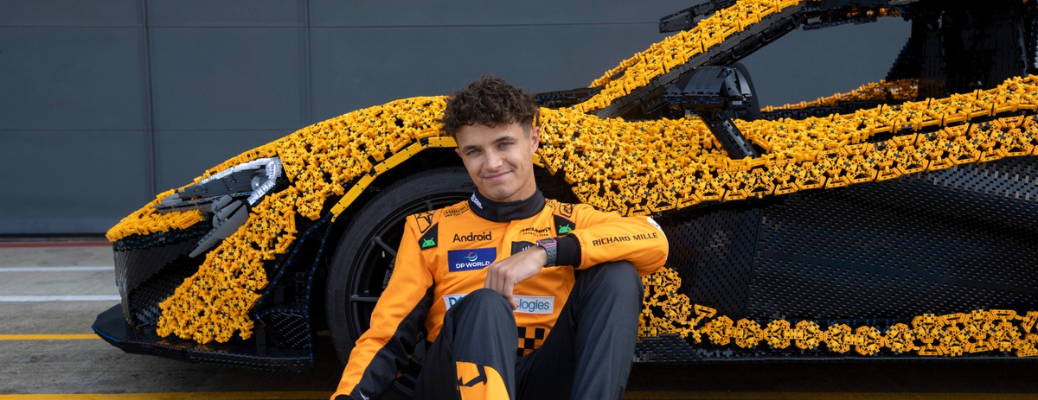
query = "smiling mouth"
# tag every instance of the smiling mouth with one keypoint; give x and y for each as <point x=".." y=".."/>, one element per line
<point x="495" y="177"/>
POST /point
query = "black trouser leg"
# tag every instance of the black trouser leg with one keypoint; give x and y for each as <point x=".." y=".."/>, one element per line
<point x="589" y="352"/>
<point x="474" y="355"/>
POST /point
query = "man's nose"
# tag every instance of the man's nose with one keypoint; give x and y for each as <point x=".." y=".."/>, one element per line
<point x="494" y="161"/>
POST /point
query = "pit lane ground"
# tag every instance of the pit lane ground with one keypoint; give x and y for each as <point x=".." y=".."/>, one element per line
<point x="52" y="289"/>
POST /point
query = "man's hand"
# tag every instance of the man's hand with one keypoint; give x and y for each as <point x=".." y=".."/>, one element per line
<point x="503" y="275"/>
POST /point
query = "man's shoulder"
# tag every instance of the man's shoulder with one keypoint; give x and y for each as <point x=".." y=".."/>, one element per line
<point x="566" y="210"/>
<point x="455" y="210"/>
<point x="426" y="219"/>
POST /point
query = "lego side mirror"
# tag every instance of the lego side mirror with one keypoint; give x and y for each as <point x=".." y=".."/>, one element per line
<point x="718" y="95"/>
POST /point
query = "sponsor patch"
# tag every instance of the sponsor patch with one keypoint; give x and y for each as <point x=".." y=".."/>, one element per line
<point x="520" y="246"/>
<point x="425" y="220"/>
<point x="566" y="210"/>
<point x="428" y="240"/>
<point x="475" y="201"/>
<point x="470" y="259"/>
<point x="527" y="304"/>
<point x="563" y="225"/>
<point x="625" y="238"/>
<point x="539" y="233"/>
<point x="535" y="304"/>
<point x="473" y="237"/>
<point x="456" y="211"/>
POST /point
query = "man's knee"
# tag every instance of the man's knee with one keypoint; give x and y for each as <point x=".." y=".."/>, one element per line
<point x="618" y="278"/>
<point x="481" y="302"/>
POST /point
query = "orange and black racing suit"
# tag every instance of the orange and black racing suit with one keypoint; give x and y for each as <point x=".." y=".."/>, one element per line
<point x="443" y="257"/>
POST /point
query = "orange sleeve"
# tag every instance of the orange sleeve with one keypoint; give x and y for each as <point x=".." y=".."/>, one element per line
<point x="608" y="237"/>
<point x="395" y="322"/>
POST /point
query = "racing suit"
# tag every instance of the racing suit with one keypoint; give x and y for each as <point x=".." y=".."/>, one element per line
<point x="443" y="256"/>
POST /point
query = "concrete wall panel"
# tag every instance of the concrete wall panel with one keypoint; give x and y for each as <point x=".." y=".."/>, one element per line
<point x="493" y="13"/>
<point x="240" y="13"/>
<point x="232" y="78"/>
<point x="71" y="79"/>
<point x="62" y="182"/>
<point x="361" y="67"/>
<point x="106" y="13"/>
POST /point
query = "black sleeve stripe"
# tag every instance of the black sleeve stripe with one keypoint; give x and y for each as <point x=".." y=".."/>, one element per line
<point x="568" y="251"/>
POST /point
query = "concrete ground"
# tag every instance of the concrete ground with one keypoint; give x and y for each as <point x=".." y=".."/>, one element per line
<point x="51" y="293"/>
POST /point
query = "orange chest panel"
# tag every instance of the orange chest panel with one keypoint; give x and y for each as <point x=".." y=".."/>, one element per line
<point x="465" y="245"/>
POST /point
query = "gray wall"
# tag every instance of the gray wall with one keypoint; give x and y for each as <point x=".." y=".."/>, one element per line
<point x="104" y="103"/>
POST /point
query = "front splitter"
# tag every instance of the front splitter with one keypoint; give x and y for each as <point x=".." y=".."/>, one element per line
<point x="112" y="327"/>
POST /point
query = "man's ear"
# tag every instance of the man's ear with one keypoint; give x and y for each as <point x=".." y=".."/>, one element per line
<point x="535" y="136"/>
<point x="457" y="150"/>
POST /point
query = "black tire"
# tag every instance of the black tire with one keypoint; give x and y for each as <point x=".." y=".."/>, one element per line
<point x="363" y="259"/>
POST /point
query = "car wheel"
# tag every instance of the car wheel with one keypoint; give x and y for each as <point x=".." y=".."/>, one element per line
<point x="363" y="260"/>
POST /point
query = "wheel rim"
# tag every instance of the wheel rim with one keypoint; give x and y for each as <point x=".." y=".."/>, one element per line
<point x="375" y="260"/>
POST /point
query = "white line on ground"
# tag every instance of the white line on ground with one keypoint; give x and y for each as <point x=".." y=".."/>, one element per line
<point x="29" y="299"/>
<point x="75" y="268"/>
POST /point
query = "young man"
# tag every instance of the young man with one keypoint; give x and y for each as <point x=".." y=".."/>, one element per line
<point x="521" y="297"/>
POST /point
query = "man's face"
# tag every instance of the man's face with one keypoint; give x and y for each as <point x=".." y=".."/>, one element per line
<point x="499" y="159"/>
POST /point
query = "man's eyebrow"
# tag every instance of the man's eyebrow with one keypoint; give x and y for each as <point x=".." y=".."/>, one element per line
<point x="504" y="138"/>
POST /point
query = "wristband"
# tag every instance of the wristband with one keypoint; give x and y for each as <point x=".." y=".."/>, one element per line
<point x="551" y="247"/>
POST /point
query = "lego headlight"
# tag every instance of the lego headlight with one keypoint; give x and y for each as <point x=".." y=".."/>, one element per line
<point x="227" y="195"/>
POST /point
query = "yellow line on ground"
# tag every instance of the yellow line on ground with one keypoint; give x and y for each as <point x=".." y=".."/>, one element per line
<point x="50" y="337"/>
<point x="172" y="396"/>
<point x="627" y="395"/>
<point x="822" y="396"/>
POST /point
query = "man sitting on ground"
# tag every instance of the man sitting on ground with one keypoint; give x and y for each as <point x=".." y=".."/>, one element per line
<point x="522" y="297"/>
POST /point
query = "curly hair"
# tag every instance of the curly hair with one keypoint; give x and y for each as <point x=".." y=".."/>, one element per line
<point x="489" y="101"/>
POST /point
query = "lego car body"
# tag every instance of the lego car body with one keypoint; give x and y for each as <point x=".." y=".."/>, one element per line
<point x="900" y="220"/>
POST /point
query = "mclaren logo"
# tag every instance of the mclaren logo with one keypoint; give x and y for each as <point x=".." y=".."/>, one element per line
<point x="542" y="232"/>
<point x="566" y="210"/>
<point x="473" y="237"/>
<point x="425" y="220"/>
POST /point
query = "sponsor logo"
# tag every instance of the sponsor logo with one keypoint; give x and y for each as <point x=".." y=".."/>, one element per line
<point x="456" y="211"/>
<point x="473" y="237"/>
<point x="527" y="304"/>
<point x="451" y="299"/>
<point x="565" y="229"/>
<point x="427" y="243"/>
<point x="425" y="220"/>
<point x="644" y="236"/>
<point x="520" y="246"/>
<point x="543" y="232"/>
<point x="566" y="210"/>
<point x="470" y="260"/>
<point x="476" y="201"/>
<point x="618" y="239"/>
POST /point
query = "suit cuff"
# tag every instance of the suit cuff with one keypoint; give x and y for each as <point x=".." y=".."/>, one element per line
<point x="568" y="251"/>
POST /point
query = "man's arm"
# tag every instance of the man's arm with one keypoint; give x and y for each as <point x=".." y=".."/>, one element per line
<point x="599" y="237"/>
<point x="603" y="237"/>
<point x="399" y="314"/>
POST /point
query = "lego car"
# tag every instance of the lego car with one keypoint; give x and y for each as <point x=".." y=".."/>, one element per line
<point x="899" y="220"/>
